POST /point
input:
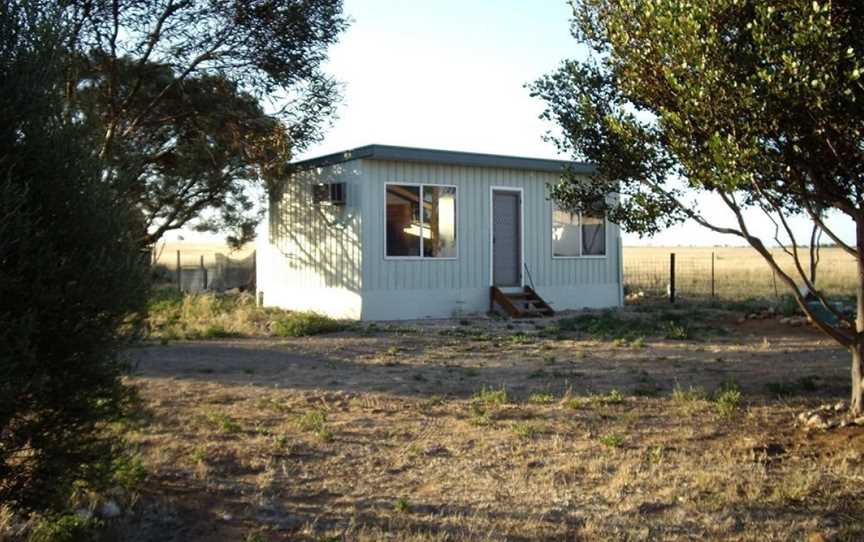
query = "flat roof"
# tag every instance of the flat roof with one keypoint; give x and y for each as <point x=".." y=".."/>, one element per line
<point x="434" y="156"/>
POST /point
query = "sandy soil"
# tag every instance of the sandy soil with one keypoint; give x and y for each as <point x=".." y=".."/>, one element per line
<point x="381" y="434"/>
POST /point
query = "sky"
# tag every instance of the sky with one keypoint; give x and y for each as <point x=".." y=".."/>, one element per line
<point x="448" y="74"/>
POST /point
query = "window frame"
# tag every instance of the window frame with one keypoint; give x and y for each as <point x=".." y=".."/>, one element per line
<point x="421" y="257"/>
<point x="552" y="208"/>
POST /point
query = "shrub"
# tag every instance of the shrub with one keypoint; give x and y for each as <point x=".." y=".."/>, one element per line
<point x="727" y="398"/>
<point x="303" y="324"/>
<point x="72" y="283"/>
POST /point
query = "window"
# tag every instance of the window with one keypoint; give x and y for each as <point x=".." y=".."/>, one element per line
<point x="576" y="235"/>
<point x="421" y="221"/>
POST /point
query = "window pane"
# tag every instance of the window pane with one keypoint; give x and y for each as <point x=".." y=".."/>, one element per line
<point x="593" y="235"/>
<point x="439" y="221"/>
<point x="403" y="220"/>
<point x="565" y="233"/>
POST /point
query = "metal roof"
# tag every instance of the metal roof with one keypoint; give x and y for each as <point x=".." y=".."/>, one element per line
<point x="433" y="156"/>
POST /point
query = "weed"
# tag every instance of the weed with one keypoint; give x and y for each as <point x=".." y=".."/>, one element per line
<point x="303" y="324"/>
<point x="612" y="440"/>
<point x="315" y="421"/>
<point x="491" y="397"/>
<point x="677" y="332"/>
<point x="520" y="337"/>
<point x="222" y="422"/>
<point x="402" y="506"/>
<point x="690" y="395"/>
<point x="64" y="528"/>
<point x="541" y="398"/>
<point x="526" y="430"/>
<point x="613" y="397"/>
<point x="638" y="342"/>
<point x="571" y="401"/>
<point x="727" y="398"/>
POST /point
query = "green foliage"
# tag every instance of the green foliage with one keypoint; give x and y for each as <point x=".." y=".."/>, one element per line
<point x="727" y="399"/>
<point x="64" y="528"/>
<point x="72" y="281"/>
<point x="756" y="103"/>
<point x="315" y="421"/>
<point x="689" y="395"/>
<point x="526" y="430"/>
<point x="180" y="113"/>
<point x="541" y="398"/>
<point x="491" y="397"/>
<point x="612" y="440"/>
<point x="302" y="324"/>
<point x="177" y="315"/>
<point x="402" y="506"/>
<point x="630" y="331"/>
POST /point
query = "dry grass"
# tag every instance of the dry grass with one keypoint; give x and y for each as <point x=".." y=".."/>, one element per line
<point x="740" y="272"/>
<point x="448" y="433"/>
<point x="176" y="316"/>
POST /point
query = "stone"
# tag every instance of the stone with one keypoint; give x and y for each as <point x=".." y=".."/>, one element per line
<point x="858" y="421"/>
<point x="840" y="406"/>
<point x="108" y="510"/>
<point x="816" y="422"/>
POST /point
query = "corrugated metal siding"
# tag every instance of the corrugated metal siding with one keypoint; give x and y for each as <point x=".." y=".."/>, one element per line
<point x="471" y="268"/>
<point x="320" y="244"/>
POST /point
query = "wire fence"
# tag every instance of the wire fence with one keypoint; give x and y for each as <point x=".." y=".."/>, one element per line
<point x="709" y="276"/>
<point x="199" y="270"/>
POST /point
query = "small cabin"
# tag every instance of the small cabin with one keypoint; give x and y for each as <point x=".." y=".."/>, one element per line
<point x="389" y="233"/>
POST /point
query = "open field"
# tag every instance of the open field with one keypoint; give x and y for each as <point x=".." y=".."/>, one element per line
<point x="740" y="272"/>
<point x="492" y="430"/>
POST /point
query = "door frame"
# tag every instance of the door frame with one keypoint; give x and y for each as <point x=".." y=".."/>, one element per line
<point x="518" y="190"/>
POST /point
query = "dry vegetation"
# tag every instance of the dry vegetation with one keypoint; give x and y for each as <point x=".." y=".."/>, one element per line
<point x="585" y="429"/>
<point x="740" y="272"/>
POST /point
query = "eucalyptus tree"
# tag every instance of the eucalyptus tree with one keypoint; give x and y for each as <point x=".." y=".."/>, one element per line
<point x="199" y="102"/>
<point x="758" y="102"/>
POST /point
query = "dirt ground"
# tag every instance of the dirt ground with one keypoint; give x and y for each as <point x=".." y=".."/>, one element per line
<point x="492" y="430"/>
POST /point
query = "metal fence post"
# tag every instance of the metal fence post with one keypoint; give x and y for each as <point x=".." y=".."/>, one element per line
<point x="712" y="275"/>
<point x="672" y="277"/>
<point x="203" y="273"/>
<point x="179" y="282"/>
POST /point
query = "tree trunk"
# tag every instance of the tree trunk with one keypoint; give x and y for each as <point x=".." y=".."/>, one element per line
<point x="857" y="401"/>
<point x="856" y="405"/>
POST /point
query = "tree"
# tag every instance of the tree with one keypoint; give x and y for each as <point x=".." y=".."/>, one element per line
<point x="180" y="89"/>
<point x="758" y="102"/>
<point x="72" y="279"/>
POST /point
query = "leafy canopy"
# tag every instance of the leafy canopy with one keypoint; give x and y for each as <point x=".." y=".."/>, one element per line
<point x="199" y="102"/>
<point x="759" y="102"/>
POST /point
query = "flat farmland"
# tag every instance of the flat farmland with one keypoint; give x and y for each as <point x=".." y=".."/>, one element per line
<point x="739" y="272"/>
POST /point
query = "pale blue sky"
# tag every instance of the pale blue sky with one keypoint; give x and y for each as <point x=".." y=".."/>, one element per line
<point x="450" y="74"/>
<point x="446" y="74"/>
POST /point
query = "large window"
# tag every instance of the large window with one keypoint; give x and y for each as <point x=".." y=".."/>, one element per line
<point x="575" y="235"/>
<point x="421" y="221"/>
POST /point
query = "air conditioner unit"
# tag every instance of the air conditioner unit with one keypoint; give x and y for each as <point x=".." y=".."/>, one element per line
<point x="329" y="194"/>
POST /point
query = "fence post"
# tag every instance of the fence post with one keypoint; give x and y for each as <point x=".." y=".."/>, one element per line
<point x="203" y="273"/>
<point x="712" y="275"/>
<point x="179" y="282"/>
<point x="672" y="277"/>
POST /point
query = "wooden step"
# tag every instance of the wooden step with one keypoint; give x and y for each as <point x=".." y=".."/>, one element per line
<point x="524" y="304"/>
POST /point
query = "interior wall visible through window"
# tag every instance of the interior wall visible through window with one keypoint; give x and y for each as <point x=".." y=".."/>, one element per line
<point x="421" y="221"/>
<point x="575" y="235"/>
